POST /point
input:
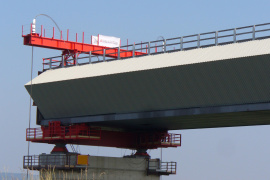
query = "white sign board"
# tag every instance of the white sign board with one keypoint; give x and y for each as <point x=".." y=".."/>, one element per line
<point x="107" y="41"/>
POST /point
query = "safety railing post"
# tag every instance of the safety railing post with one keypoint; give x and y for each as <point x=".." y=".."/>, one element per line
<point x="253" y="32"/>
<point x="216" y="38"/>
<point x="164" y="46"/>
<point x="149" y="47"/>
<point x="133" y="50"/>
<point x="50" y="63"/>
<point x="41" y="30"/>
<point x="181" y="43"/>
<point x="38" y="160"/>
<point x="118" y="53"/>
<point x="76" y="59"/>
<point x="234" y="35"/>
<point x="104" y="52"/>
<point x="68" y="160"/>
<point x="90" y="54"/>
<point x="63" y="59"/>
<point x="27" y="161"/>
<point x="198" y="41"/>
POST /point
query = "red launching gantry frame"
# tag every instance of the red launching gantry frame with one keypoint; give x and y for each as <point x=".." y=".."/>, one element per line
<point x="70" y="48"/>
<point x="84" y="134"/>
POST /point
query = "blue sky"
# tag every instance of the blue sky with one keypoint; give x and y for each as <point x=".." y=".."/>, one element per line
<point x="222" y="153"/>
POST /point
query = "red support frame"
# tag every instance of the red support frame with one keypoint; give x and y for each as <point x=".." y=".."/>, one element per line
<point x="83" y="134"/>
<point x="35" y="39"/>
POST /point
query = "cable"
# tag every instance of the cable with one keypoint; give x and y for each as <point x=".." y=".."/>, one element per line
<point x="50" y="18"/>
<point x="54" y="23"/>
<point x="30" y="105"/>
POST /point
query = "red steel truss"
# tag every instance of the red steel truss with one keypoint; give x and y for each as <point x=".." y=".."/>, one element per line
<point x="71" y="47"/>
<point x="83" y="134"/>
<point x="56" y="132"/>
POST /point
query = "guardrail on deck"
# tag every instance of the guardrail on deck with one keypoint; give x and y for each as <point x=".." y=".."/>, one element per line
<point x="214" y="38"/>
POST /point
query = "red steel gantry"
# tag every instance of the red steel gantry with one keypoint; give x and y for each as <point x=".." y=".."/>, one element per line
<point x="71" y="47"/>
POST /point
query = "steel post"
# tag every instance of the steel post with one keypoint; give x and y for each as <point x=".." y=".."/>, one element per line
<point x="118" y="55"/>
<point x="50" y="63"/>
<point x="253" y="32"/>
<point x="149" y="43"/>
<point x="181" y="43"/>
<point x="164" y="45"/>
<point x="234" y="35"/>
<point x="198" y="41"/>
<point x="76" y="59"/>
<point x="63" y="59"/>
<point x="133" y="50"/>
<point x="90" y="54"/>
<point x="104" y="52"/>
<point x="216" y="38"/>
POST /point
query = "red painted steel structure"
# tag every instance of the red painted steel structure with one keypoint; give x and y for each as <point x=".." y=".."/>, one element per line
<point x="86" y="135"/>
<point x="71" y="47"/>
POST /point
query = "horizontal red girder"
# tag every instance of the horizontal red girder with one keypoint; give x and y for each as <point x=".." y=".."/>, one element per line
<point x="58" y="44"/>
<point x="77" y="134"/>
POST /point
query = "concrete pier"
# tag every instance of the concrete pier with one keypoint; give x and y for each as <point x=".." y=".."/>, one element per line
<point x="76" y="166"/>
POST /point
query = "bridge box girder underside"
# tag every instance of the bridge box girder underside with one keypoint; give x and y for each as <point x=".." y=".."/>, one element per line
<point x="228" y="91"/>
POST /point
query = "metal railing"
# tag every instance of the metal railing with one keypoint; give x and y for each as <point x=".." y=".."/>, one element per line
<point x="37" y="162"/>
<point x="155" y="166"/>
<point x="159" y="140"/>
<point x="62" y="133"/>
<point x="171" y="139"/>
<point x="169" y="167"/>
<point x="202" y="40"/>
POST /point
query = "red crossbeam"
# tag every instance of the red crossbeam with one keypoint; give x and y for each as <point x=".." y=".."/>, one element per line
<point x="59" y="44"/>
<point x="83" y="134"/>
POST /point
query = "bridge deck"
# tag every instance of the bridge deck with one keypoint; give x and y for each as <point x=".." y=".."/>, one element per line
<point x="214" y="77"/>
